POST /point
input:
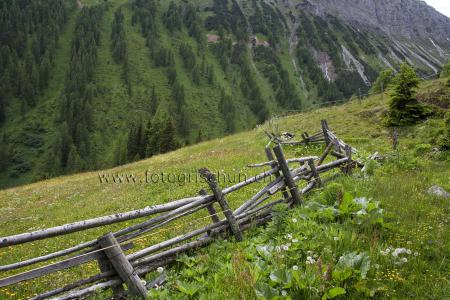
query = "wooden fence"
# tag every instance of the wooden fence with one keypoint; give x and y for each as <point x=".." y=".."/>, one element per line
<point x="118" y="268"/>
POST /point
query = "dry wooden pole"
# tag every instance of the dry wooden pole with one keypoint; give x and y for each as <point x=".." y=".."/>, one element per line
<point x="212" y="182"/>
<point x="325" y="153"/>
<point x="314" y="172"/>
<point x="92" y="223"/>
<point x="106" y="266"/>
<point x="278" y="150"/>
<point x="212" y="211"/>
<point x="325" y="131"/>
<point x="122" y="265"/>
<point x="348" y="153"/>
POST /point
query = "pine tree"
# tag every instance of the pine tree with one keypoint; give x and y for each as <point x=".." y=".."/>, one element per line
<point x="404" y="109"/>
<point x="153" y="101"/>
<point x="168" y="140"/>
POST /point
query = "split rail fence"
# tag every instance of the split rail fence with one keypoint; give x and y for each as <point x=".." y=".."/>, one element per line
<point x="119" y="270"/>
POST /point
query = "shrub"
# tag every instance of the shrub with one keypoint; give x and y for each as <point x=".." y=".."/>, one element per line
<point x="422" y="149"/>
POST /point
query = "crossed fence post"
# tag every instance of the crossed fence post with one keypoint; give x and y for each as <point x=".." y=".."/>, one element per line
<point x="219" y="197"/>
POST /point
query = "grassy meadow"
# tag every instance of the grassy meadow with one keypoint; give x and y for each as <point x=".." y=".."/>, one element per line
<point x="327" y="257"/>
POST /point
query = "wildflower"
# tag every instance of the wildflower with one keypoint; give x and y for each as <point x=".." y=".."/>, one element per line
<point x="295" y="240"/>
<point x="160" y="269"/>
<point x="288" y="244"/>
<point x="278" y="248"/>
<point x="394" y="254"/>
<point x="285" y="247"/>
<point x="289" y="236"/>
<point x="388" y="250"/>
<point x="416" y="253"/>
<point x="384" y="253"/>
<point x="408" y="252"/>
<point x="283" y="293"/>
<point x="404" y="260"/>
<point x="336" y="238"/>
<point x="294" y="220"/>
<point x="295" y="268"/>
<point x="310" y="260"/>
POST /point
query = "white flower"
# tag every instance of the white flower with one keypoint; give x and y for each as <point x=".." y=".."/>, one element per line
<point x="295" y="268"/>
<point x="416" y="253"/>
<point x="408" y="252"/>
<point x="283" y="293"/>
<point x="295" y="240"/>
<point x="388" y="250"/>
<point x="404" y="260"/>
<point x="384" y="253"/>
<point x="294" y="220"/>
<point x="278" y="248"/>
<point x="309" y="253"/>
<point x="288" y="244"/>
<point x="285" y="247"/>
<point x="160" y="269"/>
<point x="289" y="236"/>
<point x="336" y="238"/>
<point x="143" y="282"/>
<point x="310" y="260"/>
<point x="394" y="254"/>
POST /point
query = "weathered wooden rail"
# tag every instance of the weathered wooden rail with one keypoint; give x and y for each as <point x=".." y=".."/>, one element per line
<point x="118" y="268"/>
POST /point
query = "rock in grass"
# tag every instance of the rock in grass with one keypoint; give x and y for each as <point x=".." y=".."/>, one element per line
<point x="438" y="191"/>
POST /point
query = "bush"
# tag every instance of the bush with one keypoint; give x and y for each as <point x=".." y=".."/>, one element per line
<point x="333" y="193"/>
<point x="422" y="149"/>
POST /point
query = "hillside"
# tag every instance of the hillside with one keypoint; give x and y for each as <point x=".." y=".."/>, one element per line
<point x="92" y="84"/>
<point x="412" y="218"/>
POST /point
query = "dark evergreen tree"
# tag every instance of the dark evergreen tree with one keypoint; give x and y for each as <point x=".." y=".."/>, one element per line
<point x="404" y="109"/>
<point x="172" y="17"/>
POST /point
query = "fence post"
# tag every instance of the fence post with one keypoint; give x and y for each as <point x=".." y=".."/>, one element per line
<point x="325" y="131"/>
<point x="211" y="181"/>
<point x="314" y="172"/>
<point x="348" y="154"/>
<point x="287" y="174"/>
<point x="121" y="265"/>
<point x="212" y="211"/>
<point x="270" y="157"/>
<point x="105" y="265"/>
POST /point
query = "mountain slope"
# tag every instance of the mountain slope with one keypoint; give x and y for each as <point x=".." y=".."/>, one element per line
<point x="128" y="79"/>
<point x="404" y="178"/>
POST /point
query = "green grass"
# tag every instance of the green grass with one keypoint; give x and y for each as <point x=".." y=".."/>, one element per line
<point x="419" y="221"/>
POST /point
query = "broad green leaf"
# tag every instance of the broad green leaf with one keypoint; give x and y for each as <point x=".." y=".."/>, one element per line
<point x="265" y="291"/>
<point x="334" y="292"/>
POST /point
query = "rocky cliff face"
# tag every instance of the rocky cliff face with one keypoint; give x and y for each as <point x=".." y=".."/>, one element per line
<point x="412" y="19"/>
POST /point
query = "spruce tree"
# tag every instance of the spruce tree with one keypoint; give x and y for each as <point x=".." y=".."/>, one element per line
<point x="404" y="109"/>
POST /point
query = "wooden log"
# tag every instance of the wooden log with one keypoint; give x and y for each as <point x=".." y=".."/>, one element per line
<point x="325" y="130"/>
<point x="325" y="154"/>
<point x="35" y="260"/>
<point x="211" y="210"/>
<point x="269" y="156"/>
<point x="75" y="285"/>
<point x="173" y="241"/>
<point x="249" y="181"/>
<point x="348" y="153"/>
<point x="152" y="227"/>
<point x="122" y="265"/>
<point x="79" y="294"/>
<point x="219" y="196"/>
<point x="106" y="266"/>
<point x="278" y="150"/>
<point x="340" y="155"/>
<point x="255" y="197"/>
<point x="92" y="223"/>
<point x="38" y="272"/>
<point x="314" y="172"/>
